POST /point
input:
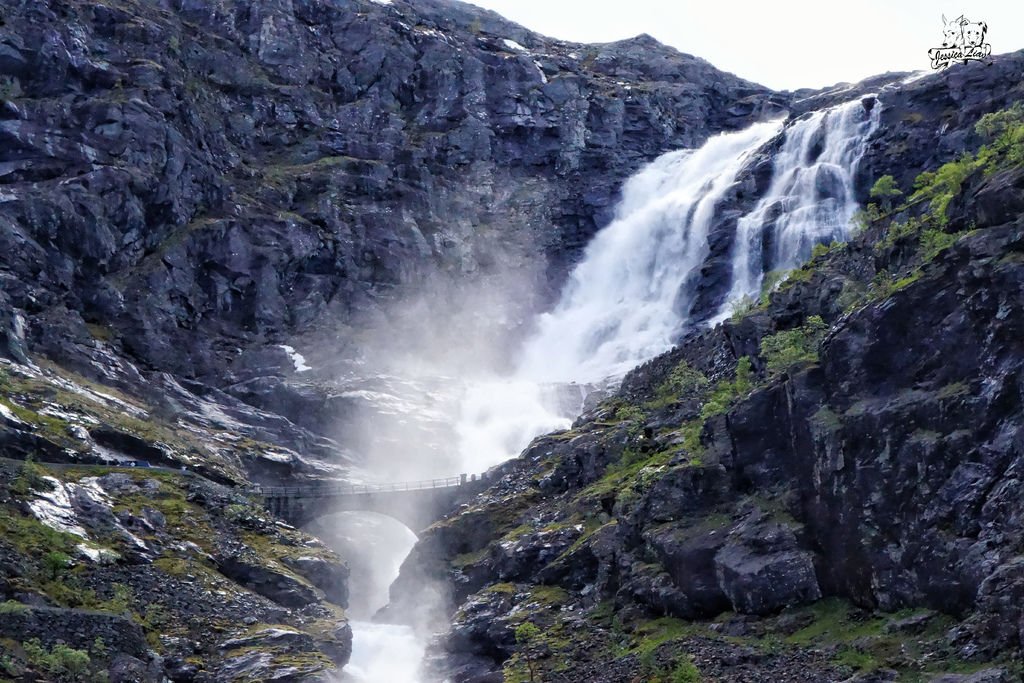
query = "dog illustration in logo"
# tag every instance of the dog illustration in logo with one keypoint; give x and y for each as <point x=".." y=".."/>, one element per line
<point x="974" y="33"/>
<point x="953" y="32"/>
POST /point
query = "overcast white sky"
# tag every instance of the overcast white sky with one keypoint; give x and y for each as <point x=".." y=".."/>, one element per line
<point x="786" y="44"/>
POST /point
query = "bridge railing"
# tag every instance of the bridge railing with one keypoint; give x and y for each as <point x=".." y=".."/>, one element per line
<point x="314" y="490"/>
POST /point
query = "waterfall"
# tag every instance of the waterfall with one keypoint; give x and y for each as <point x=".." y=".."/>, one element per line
<point x="621" y="304"/>
<point x="618" y="308"/>
<point x="810" y="200"/>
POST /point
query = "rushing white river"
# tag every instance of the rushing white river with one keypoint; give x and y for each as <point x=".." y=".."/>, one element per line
<point x="385" y="653"/>
<point x="621" y="307"/>
<point x="376" y="544"/>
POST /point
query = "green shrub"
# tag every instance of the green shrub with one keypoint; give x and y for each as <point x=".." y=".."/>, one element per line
<point x="885" y="189"/>
<point x="12" y="607"/>
<point x="933" y="242"/>
<point x="62" y="663"/>
<point x="156" y="616"/>
<point x="884" y="284"/>
<point x="784" y="349"/>
<point x="121" y="602"/>
<point x="941" y="186"/>
<point x="685" y="672"/>
<point x="68" y="661"/>
<point x="683" y="380"/>
<point x="1005" y="132"/>
<point x="769" y="282"/>
<point x="742" y="308"/>
<point x="726" y="393"/>
<point x="528" y="636"/>
<point x="863" y="219"/>
<point x="723" y="396"/>
<point x="10" y="667"/>
<point x="56" y="563"/>
<point x="628" y="413"/>
<point x="821" y="249"/>
<point x="30" y="478"/>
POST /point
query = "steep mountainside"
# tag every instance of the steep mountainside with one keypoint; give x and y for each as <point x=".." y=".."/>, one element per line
<point x="184" y="186"/>
<point x="204" y="177"/>
<point x="191" y="190"/>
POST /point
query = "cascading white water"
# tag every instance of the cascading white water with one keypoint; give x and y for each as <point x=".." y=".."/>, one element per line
<point x="381" y="653"/>
<point x="810" y="200"/>
<point x="619" y="306"/>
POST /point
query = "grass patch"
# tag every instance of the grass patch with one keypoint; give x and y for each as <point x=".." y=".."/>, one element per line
<point x="467" y="559"/>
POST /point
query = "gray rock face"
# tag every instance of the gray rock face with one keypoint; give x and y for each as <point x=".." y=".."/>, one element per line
<point x="270" y="638"/>
<point x="762" y="569"/>
<point x="330" y="577"/>
<point x="76" y="628"/>
<point x="218" y="175"/>
<point x="277" y="586"/>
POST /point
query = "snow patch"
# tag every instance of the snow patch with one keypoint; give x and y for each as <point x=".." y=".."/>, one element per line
<point x="916" y="76"/>
<point x="297" y="358"/>
<point x="53" y="508"/>
<point x="540" y="70"/>
<point x="513" y="45"/>
<point x="381" y="2"/>
<point x="10" y="417"/>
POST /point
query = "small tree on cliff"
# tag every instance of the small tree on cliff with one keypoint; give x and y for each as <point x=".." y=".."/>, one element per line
<point x="527" y="638"/>
<point x="885" y="189"/>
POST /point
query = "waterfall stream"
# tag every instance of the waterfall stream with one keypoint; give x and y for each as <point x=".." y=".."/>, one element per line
<point x="810" y="200"/>
<point x="621" y="305"/>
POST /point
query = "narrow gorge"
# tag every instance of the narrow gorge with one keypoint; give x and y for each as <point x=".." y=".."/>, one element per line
<point x="392" y="342"/>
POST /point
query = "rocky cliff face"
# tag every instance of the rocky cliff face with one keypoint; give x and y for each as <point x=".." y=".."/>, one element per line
<point x="188" y="185"/>
<point x="204" y="178"/>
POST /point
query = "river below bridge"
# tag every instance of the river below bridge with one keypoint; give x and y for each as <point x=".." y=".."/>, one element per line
<point x="376" y="546"/>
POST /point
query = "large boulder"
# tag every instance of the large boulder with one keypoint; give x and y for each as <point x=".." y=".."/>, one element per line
<point x="329" y="576"/>
<point x="275" y="585"/>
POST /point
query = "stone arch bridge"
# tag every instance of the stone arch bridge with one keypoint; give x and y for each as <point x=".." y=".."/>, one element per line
<point x="417" y="504"/>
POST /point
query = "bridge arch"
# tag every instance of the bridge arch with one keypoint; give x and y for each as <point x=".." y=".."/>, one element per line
<point x="415" y="504"/>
